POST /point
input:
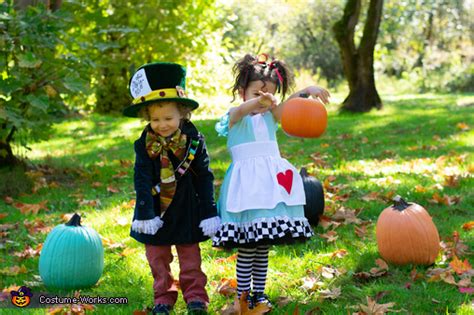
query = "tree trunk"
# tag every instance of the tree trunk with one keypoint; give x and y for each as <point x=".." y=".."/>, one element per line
<point x="358" y="62"/>
<point x="7" y="159"/>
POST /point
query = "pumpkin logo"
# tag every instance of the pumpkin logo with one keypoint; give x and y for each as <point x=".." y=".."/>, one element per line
<point x="22" y="297"/>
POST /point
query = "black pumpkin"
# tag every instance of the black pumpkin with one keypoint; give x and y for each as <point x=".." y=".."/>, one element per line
<point x="314" y="192"/>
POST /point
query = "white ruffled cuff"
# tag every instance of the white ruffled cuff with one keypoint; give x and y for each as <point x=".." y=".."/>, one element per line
<point x="210" y="226"/>
<point x="147" y="226"/>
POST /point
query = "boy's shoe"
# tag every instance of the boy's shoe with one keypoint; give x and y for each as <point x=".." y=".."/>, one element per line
<point x="161" y="309"/>
<point x="261" y="298"/>
<point x="197" y="308"/>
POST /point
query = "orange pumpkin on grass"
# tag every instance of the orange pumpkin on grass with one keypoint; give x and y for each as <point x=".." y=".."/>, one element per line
<point x="406" y="234"/>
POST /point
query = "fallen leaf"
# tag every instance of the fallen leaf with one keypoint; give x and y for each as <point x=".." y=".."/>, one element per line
<point x="226" y="259"/>
<point x="232" y="308"/>
<point x="113" y="189"/>
<point x="373" y="308"/>
<point x="126" y="163"/>
<point x="360" y="231"/>
<point x="227" y="287"/>
<point x="459" y="266"/>
<point x="111" y="244"/>
<point x="29" y="252"/>
<point x="464" y="283"/>
<point x="13" y="271"/>
<point x="330" y="294"/>
<point x="26" y="208"/>
<point x="127" y="251"/>
<point x="371" y="196"/>
<point x="445" y="199"/>
<point x="451" y="180"/>
<point x="3" y="215"/>
<point x="330" y="236"/>
<point x="420" y="189"/>
<point x="92" y="203"/>
<point x="468" y="226"/>
<point x="381" y="263"/>
<point x="8" y="200"/>
<point x="282" y="301"/>
<point x="36" y="226"/>
<point x="311" y="283"/>
<point x="448" y="278"/>
<point x="339" y="253"/>
<point x="466" y="290"/>
<point x="415" y="275"/>
<point x="462" y="126"/>
<point x="121" y="174"/>
<point x="380" y="295"/>
<point x="346" y="215"/>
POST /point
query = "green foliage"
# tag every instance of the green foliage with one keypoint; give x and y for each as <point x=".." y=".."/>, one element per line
<point x="312" y="45"/>
<point x="128" y="34"/>
<point x="428" y="44"/>
<point x="39" y="72"/>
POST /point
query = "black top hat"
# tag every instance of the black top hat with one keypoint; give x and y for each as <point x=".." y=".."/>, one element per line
<point x="158" y="82"/>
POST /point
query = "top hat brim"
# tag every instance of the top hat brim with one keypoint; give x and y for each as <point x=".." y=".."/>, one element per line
<point x="133" y="110"/>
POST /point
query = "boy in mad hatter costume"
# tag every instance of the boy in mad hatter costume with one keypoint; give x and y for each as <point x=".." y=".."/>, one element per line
<point x="173" y="183"/>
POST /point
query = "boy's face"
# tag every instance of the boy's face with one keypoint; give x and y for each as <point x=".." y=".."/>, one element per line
<point x="254" y="86"/>
<point x="164" y="118"/>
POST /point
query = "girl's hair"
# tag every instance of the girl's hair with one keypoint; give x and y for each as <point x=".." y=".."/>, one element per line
<point x="255" y="68"/>
<point x="184" y="110"/>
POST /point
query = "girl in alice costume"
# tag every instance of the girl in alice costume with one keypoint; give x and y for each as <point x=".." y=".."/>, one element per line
<point x="174" y="185"/>
<point x="262" y="196"/>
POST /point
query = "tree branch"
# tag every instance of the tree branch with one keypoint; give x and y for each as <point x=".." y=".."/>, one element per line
<point x="371" y="28"/>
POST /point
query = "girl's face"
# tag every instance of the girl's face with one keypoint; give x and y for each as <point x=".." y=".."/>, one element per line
<point x="254" y="86"/>
<point x="164" y="118"/>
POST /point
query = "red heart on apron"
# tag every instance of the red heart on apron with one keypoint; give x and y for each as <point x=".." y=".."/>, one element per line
<point x="285" y="180"/>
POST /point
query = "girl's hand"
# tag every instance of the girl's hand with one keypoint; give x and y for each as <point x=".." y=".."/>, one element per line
<point x="317" y="92"/>
<point x="265" y="102"/>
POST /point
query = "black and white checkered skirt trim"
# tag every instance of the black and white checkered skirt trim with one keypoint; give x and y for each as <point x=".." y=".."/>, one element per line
<point x="276" y="230"/>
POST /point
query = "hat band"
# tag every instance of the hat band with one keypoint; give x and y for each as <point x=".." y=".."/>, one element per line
<point x="157" y="94"/>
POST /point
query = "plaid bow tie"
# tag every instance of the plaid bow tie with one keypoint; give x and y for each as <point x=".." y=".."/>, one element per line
<point x="157" y="145"/>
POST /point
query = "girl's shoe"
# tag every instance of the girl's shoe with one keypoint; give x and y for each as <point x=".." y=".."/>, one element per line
<point x="261" y="298"/>
<point x="162" y="309"/>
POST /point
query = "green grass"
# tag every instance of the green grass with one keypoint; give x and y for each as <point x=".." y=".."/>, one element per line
<point x="414" y="141"/>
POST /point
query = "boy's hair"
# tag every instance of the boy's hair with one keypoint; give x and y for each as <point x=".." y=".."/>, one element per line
<point x="184" y="110"/>
<point x="249" y="68"/>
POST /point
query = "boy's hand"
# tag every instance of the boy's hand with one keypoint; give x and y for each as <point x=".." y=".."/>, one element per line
<point x="318" y="92"/>
<point x="266" y="101"/>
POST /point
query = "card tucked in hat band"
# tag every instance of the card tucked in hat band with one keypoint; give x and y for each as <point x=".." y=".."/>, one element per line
<point x="158" y="94"/>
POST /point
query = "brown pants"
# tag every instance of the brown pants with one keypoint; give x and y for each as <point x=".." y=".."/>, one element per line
<point x="191" y="278"/>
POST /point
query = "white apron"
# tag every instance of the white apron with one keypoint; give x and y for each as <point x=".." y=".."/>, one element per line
<point x="261" y="178"/>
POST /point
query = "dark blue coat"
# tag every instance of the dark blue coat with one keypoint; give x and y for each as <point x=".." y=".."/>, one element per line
<point x="192" y="202"/>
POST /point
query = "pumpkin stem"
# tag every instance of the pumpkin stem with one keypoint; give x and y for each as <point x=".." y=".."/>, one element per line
<point x="399" y="203"/>
<point x="75" y="220"/>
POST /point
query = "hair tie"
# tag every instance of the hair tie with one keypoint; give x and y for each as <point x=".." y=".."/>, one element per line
<point x="280" y="78"/>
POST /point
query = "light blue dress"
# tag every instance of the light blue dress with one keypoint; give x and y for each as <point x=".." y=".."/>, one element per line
<point x="262" y="196"/>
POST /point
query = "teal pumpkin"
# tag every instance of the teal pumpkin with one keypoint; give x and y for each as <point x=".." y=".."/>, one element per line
<point x="72" y="256"/>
